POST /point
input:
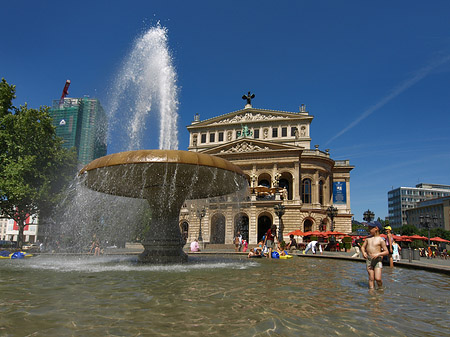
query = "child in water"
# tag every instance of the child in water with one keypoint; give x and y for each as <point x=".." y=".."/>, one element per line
<point x="373" y="250"/>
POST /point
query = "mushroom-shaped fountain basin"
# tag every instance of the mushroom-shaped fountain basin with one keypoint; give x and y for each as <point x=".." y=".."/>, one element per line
<point x="165" y="178"/>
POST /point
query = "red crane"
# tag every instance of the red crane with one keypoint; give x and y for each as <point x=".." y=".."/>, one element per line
<point x="65" y="92"/>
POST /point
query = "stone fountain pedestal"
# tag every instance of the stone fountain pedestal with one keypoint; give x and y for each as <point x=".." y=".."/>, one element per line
<point x="165" y="178"/>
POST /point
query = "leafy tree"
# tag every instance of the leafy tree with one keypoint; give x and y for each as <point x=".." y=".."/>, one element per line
<point x="408" y="230"/>
<point x="358" y="225"/>
<point x="34" y="167"/>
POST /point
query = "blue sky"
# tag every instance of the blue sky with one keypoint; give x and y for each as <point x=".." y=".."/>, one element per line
<point x="375" y="75"/>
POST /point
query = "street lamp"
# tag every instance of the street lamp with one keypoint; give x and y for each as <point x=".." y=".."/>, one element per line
<point x="368" y="215"/>
<point x="332" y="213"/>
<point x="425" y="222"/>
<point x="200" y="214"/>
<point x="279" y="211"/>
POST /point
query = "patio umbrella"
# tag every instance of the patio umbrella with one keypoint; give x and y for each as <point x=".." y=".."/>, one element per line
<point x="297" y="232"/>
<point x="333" y="233"/>
<point x="417" y="237"/>
<point x="400" y="238"/>
<point x="317" y="233"/>
<point x="438" y="239"/>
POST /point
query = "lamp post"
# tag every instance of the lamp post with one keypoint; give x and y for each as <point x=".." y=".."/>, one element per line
<point x="368" y="215"/>
<point x="200" y="214"/>
<point x="332" y="213"/>
<point x="279" y="211"/>
<point x="425" y="222"/>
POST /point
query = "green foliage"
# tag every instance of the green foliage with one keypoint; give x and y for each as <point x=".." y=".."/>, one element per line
<point x="408" y="230"/>
<point x="34" y="167"/>
<point x="357" y="225"/>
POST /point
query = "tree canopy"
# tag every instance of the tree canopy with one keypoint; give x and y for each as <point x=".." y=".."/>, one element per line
<point x="34" y="167"/>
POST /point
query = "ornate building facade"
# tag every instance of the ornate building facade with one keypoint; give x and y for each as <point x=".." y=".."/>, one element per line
<point x="283" y="172"/>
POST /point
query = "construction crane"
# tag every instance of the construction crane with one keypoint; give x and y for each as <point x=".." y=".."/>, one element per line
<point x="65" y="92"/>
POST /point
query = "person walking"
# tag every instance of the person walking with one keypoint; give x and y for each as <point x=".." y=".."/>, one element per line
<point x="356" y="244"/>
<point x="269" y="240"/>
<point x="396" y="251"/>
<point x="389" y="241"/>
<point x="373" y="250"/>
<point x="238" y="242"/>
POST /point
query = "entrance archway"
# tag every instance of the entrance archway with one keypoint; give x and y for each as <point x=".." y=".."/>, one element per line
<point x="264" y="223"/>
<point x="218" y="228"/>
<point x="241" y="225"/>
<point x="307" y="225"/>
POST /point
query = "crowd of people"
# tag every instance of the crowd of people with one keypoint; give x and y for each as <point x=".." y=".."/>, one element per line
<point x="373" y="248"/>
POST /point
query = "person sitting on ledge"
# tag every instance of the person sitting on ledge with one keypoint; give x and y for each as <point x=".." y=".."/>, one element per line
<point x="292" y="245"/>
<point x="194" y="246"/>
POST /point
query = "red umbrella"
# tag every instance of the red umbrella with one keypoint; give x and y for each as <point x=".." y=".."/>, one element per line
<point x="333" y="233"/>
<point x="406" y="238"/>
<point x="297" y="232"/>
<point x="400" y="238"/>
<point x="438" y="239"/>
<point x="417" y="237"/>
<point x="317" y="233"/>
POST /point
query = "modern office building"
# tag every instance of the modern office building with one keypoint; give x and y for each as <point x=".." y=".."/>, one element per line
<point x="437" y="210"/>
<point x="273" y="149"/>
<point x="403" y="198"/>
<point x="82" y="123"/>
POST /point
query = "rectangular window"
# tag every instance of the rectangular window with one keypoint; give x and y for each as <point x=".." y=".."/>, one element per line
<point x="274" y="133"/>
<point x="256" y="133"/>
<point x="203" y="138"/>
<point x="284" y="132"/>
<point x="212" y="137"/>
<point x="220" y="136"/>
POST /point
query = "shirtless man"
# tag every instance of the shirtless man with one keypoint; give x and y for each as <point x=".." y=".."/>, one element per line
<point x="373" y="250"/>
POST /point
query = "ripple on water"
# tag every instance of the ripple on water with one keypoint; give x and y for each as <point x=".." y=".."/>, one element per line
<point x="226" y="296"/>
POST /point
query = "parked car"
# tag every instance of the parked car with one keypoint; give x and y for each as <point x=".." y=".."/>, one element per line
<point x="31" y="247"/>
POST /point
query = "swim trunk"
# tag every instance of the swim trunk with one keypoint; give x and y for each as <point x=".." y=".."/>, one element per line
<point x="374" y="263"/>
<point x="269" y="244"/>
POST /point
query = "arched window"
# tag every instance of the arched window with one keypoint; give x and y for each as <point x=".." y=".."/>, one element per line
<point x="321" y="192"/>
<point x="306" y="191"/>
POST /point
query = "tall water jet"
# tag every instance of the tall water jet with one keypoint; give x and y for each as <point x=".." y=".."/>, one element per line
<point x="165" y="178"/>
<point x="145" y="93"/>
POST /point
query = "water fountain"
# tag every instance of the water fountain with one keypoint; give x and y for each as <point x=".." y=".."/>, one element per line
<point x="144" y="96"/>
<point x="165" y="178"/>
<point x="61" y="295"/>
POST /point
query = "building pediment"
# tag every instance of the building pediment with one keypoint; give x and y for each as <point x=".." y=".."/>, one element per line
<point x="250" y="115"/>
<point x="246" y="145"/>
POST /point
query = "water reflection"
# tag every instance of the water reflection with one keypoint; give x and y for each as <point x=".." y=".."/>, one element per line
<point x="217" y="296"/>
